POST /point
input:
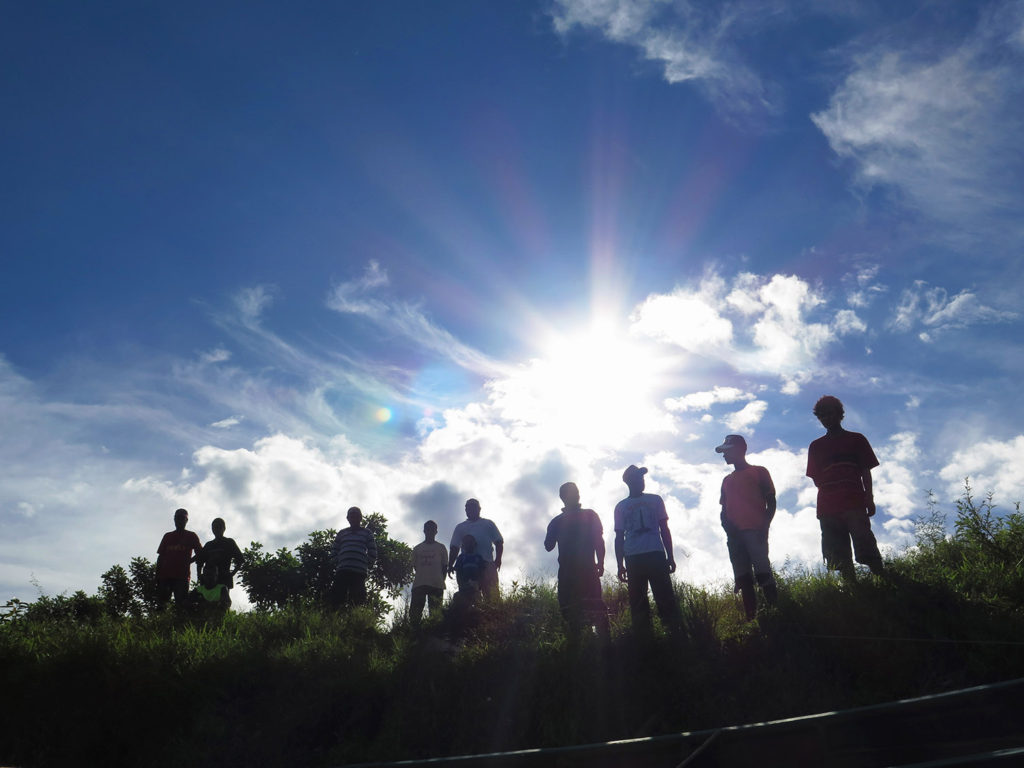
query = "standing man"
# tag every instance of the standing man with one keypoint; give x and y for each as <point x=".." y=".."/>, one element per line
<point x="489" y="545"/>
<point x="174" y="560"/>
<point x="430" y="561"/>
<point x="840" y="464"/>
<point x="580" y="538"/>
<point x="221" y="553"/>
<point x="643" y="550"/>
<point x="748" y="506"/>
<point x="353" y="552"/>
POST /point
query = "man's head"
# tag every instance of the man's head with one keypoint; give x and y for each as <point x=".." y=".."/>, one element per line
<point x="569" y="494"/>
<point x="430" y="529"/>
<point x="734" y="447"/>
<point x="354" y="516"/>
<point x="829" y="411"/>
<point x="472" y="509"/>
<point x="180" y="519"/>
<point x="217" y="526"/>
<point x="633" y="477"/>
<point x="469" y="544"/>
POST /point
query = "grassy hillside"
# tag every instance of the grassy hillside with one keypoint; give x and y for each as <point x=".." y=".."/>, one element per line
<point x="301" y="686"/>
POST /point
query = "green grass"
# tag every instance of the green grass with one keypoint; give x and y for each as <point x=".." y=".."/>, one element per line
<point x="300" y="686"/>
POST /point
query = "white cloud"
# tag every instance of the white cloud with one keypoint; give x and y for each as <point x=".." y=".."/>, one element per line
<point x="400" y="318"/>
<point x="697" y="43"/>
<point x="744" y="419"/>
<point x="847" y="322"/>
<point x="933" y="308"/>
<point x="218" y="355"/>
<point x="231" y="421"/>
<point x="756" y="324"/>
<point x="688" y="319"/>
<point x="940" y="125"/>
<point x="702" y="401"/>
<point x="251" y="302"/>
<point x="991" y="465"/>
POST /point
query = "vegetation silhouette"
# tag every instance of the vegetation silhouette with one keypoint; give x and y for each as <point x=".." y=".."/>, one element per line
<point x="293" y="684"/>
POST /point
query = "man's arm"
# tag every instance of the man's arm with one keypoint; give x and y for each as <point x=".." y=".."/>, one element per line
<point x="453" y="554"/>
<point x="666" y="539"/>
<point x="865" y="476"/>
<point x="235" y="557"/>
<point x="768" y="491"/>
<point x="499" y="548"/>
<point x="620" y="538"/>
<point x="551" y="538"/>
<point x="371" y="549"/>
<point x="600" y="556"/>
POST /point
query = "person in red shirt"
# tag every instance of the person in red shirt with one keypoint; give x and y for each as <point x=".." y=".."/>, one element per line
<point x="840" y="464"/>
<point x="748" y="507"/>
<point x="177" y="550"/>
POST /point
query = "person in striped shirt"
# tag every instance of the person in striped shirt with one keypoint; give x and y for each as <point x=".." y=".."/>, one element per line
<point x="353" y="553"/>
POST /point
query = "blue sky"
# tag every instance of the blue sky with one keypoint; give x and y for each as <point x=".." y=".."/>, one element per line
<point x="267" y="263"/>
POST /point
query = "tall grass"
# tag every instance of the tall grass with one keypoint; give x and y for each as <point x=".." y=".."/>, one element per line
<point x="303" y="686"/>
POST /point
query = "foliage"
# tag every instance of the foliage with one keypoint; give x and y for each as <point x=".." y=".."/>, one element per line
<point x="274" y="580"/>
<point x="300" y="685"/>
<point x="981" y="559"/>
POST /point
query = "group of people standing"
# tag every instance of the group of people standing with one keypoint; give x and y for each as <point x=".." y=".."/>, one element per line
<point x="217" y="561"/>
<point x="839" y="463"/>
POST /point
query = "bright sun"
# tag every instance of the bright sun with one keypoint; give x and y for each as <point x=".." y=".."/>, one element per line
<point x="596" y="387"/>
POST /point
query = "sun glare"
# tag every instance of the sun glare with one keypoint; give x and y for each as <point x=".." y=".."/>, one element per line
<point x="596" y="387"/>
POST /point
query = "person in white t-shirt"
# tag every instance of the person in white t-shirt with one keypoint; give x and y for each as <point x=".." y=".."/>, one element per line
<point x="643" y="550"/>
<point x="489" y="545"/>
<point x="430" y="562"/>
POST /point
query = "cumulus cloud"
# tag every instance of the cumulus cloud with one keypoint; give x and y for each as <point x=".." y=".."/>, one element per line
<point x="991" y="465"/>
<point x="846" y="322"/>
<point x="702" y="401"/>
<point x="938" y="124"/>
<point x="754" y="323"/>
<point x="933" y="310"/>
<point x="691" y="42"/>
<point x="744" y="419"/>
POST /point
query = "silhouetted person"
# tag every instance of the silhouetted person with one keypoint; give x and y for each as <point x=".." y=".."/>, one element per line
<point x="223" y="554"/>
<point x="579" y="535"/>
<point x="470" y="566"/>
<point x="353" y="552"/>
<point x="489" y="545"/>
<point x="430" y="562"/>
<point x="643" y="550"/>
<point x="174" y="560"/>
<point x="748" y="506"/>
<point x="209" y="593"/>
<point x="840" y="464"/>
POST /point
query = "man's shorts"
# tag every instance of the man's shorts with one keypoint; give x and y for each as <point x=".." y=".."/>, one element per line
<point x="748" y="550"/>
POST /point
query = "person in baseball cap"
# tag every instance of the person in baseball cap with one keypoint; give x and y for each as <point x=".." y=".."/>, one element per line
<point x="748" y="507"/>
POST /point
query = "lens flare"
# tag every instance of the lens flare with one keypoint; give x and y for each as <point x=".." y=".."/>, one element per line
<point x="383" y="415"/>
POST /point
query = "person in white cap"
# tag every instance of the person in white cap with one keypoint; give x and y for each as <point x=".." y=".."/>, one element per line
<point x="643" y="550"/>
<point x="748" y="506"/>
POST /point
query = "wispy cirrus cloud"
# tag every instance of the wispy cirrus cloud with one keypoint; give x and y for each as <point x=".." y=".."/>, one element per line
<point x="692" y="42"/>
<point x="931" y="309"/>
<point x="360" y="297"/>
<point x="939" y="123"/>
